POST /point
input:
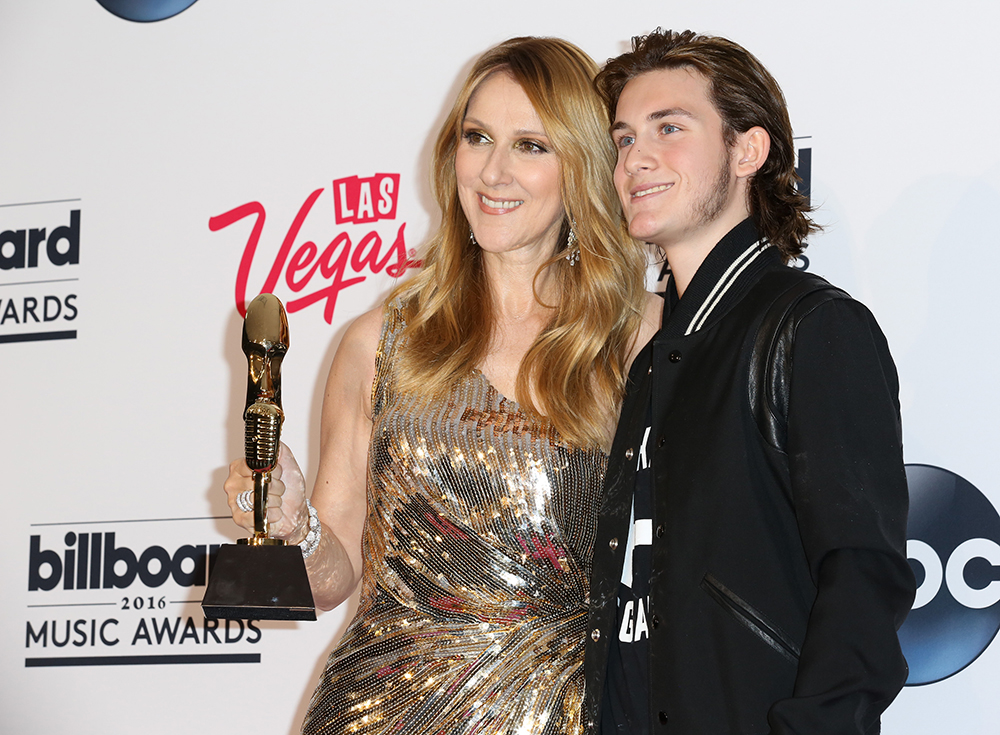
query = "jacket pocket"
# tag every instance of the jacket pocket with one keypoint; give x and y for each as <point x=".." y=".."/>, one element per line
<point x="750" y="618"/>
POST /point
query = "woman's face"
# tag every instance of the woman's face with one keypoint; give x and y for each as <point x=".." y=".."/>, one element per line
<point x="508" y="176"/>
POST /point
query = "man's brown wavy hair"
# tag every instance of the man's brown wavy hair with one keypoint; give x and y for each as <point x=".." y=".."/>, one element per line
<point x="745" y="95"/>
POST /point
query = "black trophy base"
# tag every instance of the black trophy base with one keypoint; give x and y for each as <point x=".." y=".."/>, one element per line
<point x="259" y="583"/>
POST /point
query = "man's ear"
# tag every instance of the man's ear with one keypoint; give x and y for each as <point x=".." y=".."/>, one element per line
<point x="751" y="151"/>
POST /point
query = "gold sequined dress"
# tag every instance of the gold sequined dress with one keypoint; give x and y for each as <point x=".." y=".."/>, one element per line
<point x="477" y="548"/>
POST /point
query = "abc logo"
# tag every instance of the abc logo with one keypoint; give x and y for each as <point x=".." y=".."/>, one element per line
<point x="147" y="11"/>
<point x="954" y="549"/>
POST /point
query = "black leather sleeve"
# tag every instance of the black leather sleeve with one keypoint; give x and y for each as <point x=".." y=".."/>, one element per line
<point x="849" y="491"/>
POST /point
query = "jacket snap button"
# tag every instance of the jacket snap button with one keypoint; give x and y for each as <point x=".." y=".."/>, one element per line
<point x="660" y="530"/>
<point x="655" y="621"/>
<point x="628" y="453"/>
<point x="661" y="441"/>
<point x="675" y="356"/>
<point x="650" y="371"/>
<point x="613" y="544"/>
<point x="596" y="634"/>
<point x="663" y="718"/>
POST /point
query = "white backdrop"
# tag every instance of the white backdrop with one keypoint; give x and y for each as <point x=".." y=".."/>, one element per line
<point x="124" y="424"/>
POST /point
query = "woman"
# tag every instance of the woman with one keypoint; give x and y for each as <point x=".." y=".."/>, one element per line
<point x="465" y="424"/>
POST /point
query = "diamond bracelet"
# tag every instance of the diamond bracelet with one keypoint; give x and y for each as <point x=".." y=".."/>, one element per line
<point x="311" y="542"/>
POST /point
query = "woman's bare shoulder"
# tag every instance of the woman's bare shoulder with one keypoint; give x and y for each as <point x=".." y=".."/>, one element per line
<point x="651" y="316"/>
<point x="653" y="311"/>
<point x="364" y="332"/>
<point x="353" y="367"/>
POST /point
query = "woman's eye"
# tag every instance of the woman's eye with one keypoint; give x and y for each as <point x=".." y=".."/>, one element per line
<point x="532" y="146"/>
<point x="474" y="137"/>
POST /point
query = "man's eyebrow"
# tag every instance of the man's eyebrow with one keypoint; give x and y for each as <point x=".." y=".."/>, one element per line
<point x="657" y="115"/>
<point x="669" y="112"/>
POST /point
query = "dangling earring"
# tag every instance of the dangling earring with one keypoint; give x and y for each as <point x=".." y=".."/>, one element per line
<point x="572" y="249"/>
<point x="472" y="237"/>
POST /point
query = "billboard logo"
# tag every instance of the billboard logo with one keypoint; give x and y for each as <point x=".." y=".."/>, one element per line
<point x="146" y="11"/>
<point x="39" y="268"/>
<point x="94" y="561"/>
<point x="953" y="544"/>
<point x="19" y="248"/>
<point x="115" y="598"/>
<point x="803" y="169"/>
<point x="804" y="165"/>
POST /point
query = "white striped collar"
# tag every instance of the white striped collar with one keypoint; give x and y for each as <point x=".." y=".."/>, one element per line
<point x="729" y="277"/>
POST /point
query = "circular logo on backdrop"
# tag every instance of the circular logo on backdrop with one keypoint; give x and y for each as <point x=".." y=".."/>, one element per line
<point x="953" y="544"/>
<point x="146" y="11"/>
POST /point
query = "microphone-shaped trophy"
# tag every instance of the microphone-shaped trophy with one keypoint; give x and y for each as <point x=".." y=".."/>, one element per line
<point x="260" y="578"/>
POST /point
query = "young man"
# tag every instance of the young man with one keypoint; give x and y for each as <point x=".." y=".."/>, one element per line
<point x="750" y="569"/>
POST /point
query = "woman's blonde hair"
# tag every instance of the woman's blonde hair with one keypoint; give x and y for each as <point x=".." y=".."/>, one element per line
<point x="574" y="374"/>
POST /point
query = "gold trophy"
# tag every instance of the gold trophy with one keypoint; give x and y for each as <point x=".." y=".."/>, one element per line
<point x="261" y="578"/>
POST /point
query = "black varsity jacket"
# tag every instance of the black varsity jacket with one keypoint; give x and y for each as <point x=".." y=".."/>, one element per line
<point x="779" y="572"/>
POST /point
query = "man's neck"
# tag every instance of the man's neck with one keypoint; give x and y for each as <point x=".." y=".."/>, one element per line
<point x="685" y="256"/>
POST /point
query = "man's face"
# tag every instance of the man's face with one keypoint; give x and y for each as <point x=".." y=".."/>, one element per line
<point x="674" y="174"/>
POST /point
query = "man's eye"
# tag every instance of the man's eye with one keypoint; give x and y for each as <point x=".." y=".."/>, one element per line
<point x="668" y="128"/>
<point x="625" y="141"/>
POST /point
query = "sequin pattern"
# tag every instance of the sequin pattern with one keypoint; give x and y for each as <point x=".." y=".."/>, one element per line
<point x="477" y="550"/>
